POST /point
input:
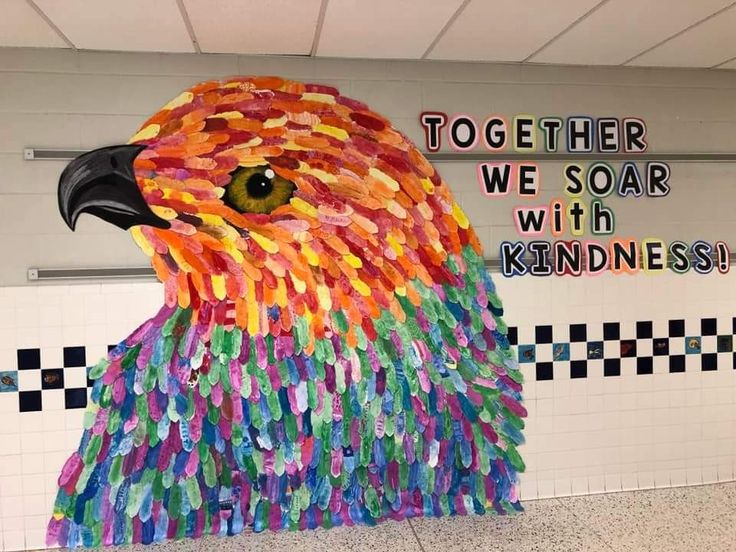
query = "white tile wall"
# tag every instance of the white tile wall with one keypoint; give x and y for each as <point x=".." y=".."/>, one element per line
<point x="584" y="436"/>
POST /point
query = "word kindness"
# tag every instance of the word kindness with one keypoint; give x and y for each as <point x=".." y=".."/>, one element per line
<point x="572" y="215"/>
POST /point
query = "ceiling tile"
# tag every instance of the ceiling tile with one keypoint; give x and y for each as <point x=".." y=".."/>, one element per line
<point x="254" y="26"/>
<point x="506" y="30"/>
<point x="133" y="25"/>
<point x="705" y="45"/>
<point x="730" y="65"/>
<point x="621" y="29"/>
<point x="385" y="29"/>
<point x="21" y="26"/>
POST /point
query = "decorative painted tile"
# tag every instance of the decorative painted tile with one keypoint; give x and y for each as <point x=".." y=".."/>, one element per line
<point x="661" y="346"/>
<point x="52" y="379"/>
<point x="693" y="345"/>
<point x="527" y="353"/>
<point x="561" y="351"/>
<point x="595" y="350"/>
<point x="725" y="343"/>
<point x="8" y="381"/>
<point x="628" y="348"/>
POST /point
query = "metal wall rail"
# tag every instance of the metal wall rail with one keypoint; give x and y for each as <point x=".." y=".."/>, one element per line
<point x="145" y="272"/>
<point x="34" y="154"/>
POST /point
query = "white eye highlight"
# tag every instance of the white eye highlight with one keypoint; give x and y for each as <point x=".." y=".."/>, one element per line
<point x="269" y="173"/>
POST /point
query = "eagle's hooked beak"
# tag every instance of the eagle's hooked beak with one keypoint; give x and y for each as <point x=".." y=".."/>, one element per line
<point x="102" y="182"/>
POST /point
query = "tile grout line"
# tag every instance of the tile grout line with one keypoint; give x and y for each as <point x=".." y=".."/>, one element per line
<point x="413" y="531"/>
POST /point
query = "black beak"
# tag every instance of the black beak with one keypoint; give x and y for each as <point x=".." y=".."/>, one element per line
<point x="102" y="182"/>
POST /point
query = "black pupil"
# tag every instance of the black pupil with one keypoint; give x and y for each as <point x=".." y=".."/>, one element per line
<point x="259" y="185"/>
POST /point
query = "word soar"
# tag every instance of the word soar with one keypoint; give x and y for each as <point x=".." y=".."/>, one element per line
<point x="621" y="256"/>
<point x="581" y="134"/>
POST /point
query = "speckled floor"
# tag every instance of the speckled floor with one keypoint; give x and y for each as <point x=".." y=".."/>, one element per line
<point x="664" y="520"/>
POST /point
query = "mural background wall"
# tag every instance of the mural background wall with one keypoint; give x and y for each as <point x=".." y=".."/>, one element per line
<point x="591" y="428"/>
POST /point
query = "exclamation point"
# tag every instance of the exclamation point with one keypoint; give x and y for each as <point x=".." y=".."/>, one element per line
<point x="724" y="257"/>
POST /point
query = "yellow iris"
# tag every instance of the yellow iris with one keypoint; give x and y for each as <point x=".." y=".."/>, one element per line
<point x="257" y="190"/>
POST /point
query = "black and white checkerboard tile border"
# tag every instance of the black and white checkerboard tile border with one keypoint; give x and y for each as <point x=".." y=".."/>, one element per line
<point x="566" y="350"/>
<point x="613" y="348"/>
<point x="44" y="385"/>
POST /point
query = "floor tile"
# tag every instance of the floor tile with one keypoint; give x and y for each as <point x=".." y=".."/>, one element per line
<point x="393" y="536"/>
<point x="545" y="526"/>
<point x="646" y="520"/>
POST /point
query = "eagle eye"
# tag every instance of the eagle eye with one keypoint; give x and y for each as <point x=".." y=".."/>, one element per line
<point x="257" y="190"/>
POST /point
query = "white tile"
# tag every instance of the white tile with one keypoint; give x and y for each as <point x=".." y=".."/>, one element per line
<point x="75" y="377"/>
<point x="29" y="380"/>
<point x="35" y="504"/>
<point x="31" y="442"/>
<point x="13" y="540"/>
<point x="53" y="399"/>
<point x="32" y="464"/>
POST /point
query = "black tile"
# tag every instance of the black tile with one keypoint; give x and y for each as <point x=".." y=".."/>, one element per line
<point x="677" y="328"/>
<point x="733" y="325"/>
<point x="29" y="359"/>
<point x="709" y="362"/>
<point x="52" y="379"/>
<point x="578" y="332"/>
<point x="579" y="369"/>
<point x="513" y="335"/>
<point x="661" y="346"/>
<point x="29" y="401"/>
<point x="708" y="326"/>
<point x="74" y="356"/>
<point x="644" y="365"/>
<point x="724" y="343"/>
<point x="612" y="367"/>
<point x="677" y="363"/>
<point x="643" y="330"/>
<point x="611" y="331"/>
<point x="544" y="371"/>
<point x="543" y="334"/>
<point x="111" y="347"/>
<point x="75" y="398"/>
<point x="628" y="348"/>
